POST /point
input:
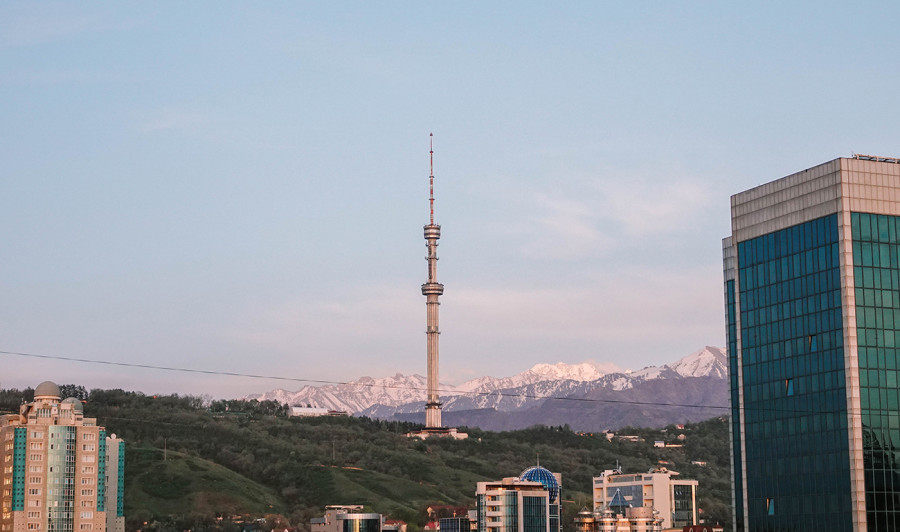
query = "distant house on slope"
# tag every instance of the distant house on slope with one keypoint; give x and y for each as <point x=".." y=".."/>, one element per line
<point x="311" y="411"/>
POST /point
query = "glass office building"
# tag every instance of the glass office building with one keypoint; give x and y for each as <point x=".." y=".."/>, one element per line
<point x="812" y="299"/>
<point x="527" y="503"/>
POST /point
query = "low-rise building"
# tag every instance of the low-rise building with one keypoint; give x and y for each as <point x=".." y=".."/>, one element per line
<point x="346" y="518"/>
<point x="674" y="499"/>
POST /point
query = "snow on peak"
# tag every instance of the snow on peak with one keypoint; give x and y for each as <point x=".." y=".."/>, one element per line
<point x="583" y="372"/>
<point x="709" y="361"/>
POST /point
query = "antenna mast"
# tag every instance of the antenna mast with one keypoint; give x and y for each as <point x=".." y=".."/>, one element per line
<point x="431" y="178"/>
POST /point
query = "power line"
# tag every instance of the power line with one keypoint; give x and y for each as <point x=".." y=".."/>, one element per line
<point x="370" y="385"/>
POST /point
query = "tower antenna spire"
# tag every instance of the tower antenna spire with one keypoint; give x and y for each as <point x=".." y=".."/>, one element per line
<point x="431" y="177"/>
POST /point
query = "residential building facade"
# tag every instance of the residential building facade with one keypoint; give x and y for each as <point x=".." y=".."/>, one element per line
<point x="60" y="471"/>
<point x="674" y="499"/>
<point x="812" y="293"/>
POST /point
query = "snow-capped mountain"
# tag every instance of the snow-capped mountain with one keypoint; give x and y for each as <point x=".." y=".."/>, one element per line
<point x="583" y="372"/>
<point x="707" y="362"/>
<point x="387" y="397"/>
<point x="355" y="396"/>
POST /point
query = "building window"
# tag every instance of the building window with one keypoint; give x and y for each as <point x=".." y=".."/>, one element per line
<point x="88" y="458"/>
<point x="34" y="526"/>
<point x="86" y="526"/>
<point x="87" y="493"/>
<point x="37" y="434"/>
<point x="34" y="515"/>
<point x="34" y="503"/>
<point x="35" y="469"/>
<point x="34" y="491"/>
<point x="87" y="481"/>
<point x="87" y="447"/>
<point x="789" y="387"/>
<point x="87" y="515"/>
<point x="87" y="469"/>
<point x="89" y="436"/>
<point x="37" y="446"/>
<point x="36" y="457"/>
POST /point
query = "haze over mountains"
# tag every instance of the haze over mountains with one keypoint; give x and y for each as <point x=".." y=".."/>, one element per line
<point x="586" y="396"/>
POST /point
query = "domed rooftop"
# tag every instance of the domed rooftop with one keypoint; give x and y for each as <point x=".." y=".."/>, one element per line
<point x="47" y="389"/>
<point x="76" y="404"/>
<point x="545" y="477"/>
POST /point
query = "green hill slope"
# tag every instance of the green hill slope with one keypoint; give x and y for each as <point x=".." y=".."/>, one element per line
<point x="248" y="458"/>
<point x="174" y="486"/>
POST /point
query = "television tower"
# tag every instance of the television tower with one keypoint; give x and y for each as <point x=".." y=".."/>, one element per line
<point x="432" y="290"/>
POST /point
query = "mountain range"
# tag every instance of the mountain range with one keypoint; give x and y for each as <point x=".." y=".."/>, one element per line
<point x="586" y="396"/>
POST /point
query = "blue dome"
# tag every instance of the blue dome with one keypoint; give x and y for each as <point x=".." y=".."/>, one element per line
<point x="539" y="474"/>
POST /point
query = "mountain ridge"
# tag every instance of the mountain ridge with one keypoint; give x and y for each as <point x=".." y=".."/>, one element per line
<point x="401" y="396"/>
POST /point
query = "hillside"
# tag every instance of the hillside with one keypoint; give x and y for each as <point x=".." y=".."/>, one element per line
<point x="188" y="488"/>
<point x="239" y="457"/>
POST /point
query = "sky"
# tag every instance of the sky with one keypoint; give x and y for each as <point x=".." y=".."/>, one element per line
<point x="240" y="187"/>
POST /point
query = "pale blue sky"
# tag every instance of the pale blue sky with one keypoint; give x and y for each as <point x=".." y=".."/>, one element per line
<point x="242" y="186"/>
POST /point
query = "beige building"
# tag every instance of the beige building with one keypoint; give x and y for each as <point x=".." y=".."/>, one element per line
<point x="60" y="471"/>
<point x="347" y="518"/>
<point x="674" y="499"/>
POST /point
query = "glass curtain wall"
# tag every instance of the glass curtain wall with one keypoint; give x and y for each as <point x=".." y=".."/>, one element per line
<point x="793" y="379"/>
<point x="738" y="482"/>
<point x="876" y="275"/>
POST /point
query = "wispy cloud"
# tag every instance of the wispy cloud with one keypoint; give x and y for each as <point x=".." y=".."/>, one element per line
<point x="589" y="216"/>
<point x="563" y="228"/>
<point x="378" y="321"/>
<point x="642" y="207"/>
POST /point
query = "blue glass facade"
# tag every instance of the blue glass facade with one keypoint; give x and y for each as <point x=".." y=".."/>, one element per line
<point x="876" y="275"/>
<point x="18" y="482"/>
<point x="120" y="494"/>
<point x="101" y="473"/>
<point x="534" y="514"/>
<point x="793" y="382"/>
<point x="731" y="338"/>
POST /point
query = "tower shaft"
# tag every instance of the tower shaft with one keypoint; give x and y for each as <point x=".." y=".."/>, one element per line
<point x="432" y="290"/>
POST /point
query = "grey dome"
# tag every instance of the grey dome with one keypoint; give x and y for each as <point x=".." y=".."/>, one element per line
<point x="47" y="389"/>
<point x="76" y="404"/>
